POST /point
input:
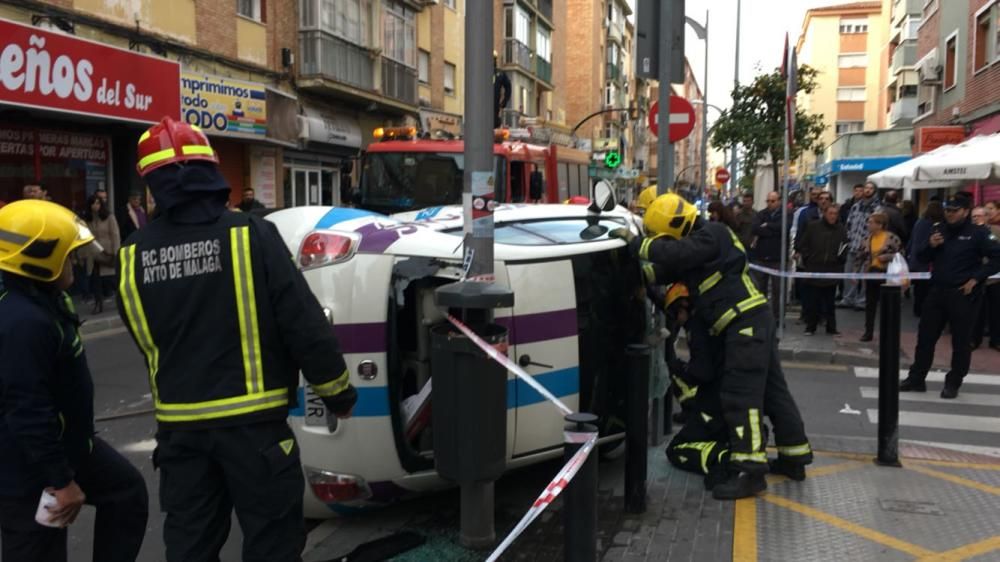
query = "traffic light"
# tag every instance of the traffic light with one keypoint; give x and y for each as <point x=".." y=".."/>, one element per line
<point x="612" y="159"/>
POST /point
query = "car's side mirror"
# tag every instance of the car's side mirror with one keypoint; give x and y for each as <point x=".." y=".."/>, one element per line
<point x="603" y="198"/>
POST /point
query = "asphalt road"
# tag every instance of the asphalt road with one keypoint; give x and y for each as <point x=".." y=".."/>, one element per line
<point x="830" y="397"/>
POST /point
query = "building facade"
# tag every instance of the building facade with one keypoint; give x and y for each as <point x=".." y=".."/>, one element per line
<point x="958" y="49"/>
<point x="900" y="58"/>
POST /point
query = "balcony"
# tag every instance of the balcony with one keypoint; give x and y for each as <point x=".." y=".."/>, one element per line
<point x="327" y="56"/>
<point x="904" y="57"/>
<point x="543" y="70"/>
<point x="545" y="8"/>
<point x="902" y="112"/>
<point x="616" y="33"/>
<point x="518" y="54"/>
<point x="903" y="8"/>
<point x="399" y="81"/>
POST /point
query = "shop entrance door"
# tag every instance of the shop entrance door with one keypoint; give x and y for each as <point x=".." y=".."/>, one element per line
<point x="311" y="186"/>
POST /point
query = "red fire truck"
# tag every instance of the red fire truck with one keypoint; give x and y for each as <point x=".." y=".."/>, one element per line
<point x="402" y="172"/>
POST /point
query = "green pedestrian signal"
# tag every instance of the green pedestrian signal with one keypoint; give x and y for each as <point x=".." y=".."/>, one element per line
<point x="612" y="159"/>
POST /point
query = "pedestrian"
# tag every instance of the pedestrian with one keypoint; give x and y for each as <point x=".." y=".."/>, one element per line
<point x="135" y="216"/>
<point x="845" y="208"/>
<point x="933" y="215"/>
<point x="249" y="202"/>
<point x="101" y="265"/>
<point x="857" y="234"/>
<point x="32" y="191"/>
<point x="962" y="256"/>
<point x="988" y="316"/>
<point x="979" y="215"/>
<point x="890" y="206"/>
<point x="720" y="212"/>
<point x="685" y="248"/>
<point x="766" y="249"/>
<point x="823" y="248"/>
<point x="909" y="217"/>
<point x="226" y="322"/>
<point x="744" y="220"/>
<point x="47" y="430"/>
<point x="876" y="253"/>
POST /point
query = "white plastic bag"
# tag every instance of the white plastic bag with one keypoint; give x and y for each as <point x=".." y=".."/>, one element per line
<point x="898" y="271"/>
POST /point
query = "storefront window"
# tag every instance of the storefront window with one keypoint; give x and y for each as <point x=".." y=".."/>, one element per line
<point x="70" y="166"/>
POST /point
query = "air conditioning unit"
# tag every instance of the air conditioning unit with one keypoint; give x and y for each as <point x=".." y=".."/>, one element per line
<point x="929" y="68"/>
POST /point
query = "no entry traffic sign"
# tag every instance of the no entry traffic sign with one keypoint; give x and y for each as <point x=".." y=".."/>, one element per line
<point x="721" y="175"/>
<point x="681" y="118"/>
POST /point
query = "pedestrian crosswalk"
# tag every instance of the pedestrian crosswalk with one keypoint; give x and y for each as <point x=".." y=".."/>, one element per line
<point x="971" y="419"/>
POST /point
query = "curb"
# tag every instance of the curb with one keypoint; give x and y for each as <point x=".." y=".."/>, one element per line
<point x="95" y="325"/>
<point x="787" y="353"/>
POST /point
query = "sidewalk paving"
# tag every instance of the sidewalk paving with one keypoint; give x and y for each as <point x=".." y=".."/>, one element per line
<point x="941" y="505"/>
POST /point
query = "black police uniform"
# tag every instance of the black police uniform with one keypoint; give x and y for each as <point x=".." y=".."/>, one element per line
<point x="47" y="433"/>
<point x="711" y="261"/>
<point x="968" y="252"/>
<point x="226" y="322"/>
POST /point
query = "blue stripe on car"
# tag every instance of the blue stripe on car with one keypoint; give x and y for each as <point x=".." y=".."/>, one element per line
<point x="341" y="214"/>
<point x="373" y="401"/>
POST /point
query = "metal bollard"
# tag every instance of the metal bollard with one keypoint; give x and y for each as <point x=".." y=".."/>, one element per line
<point x="888" y="376"/>
<point x="668" y="410"/>
<point x="580" y="510"/>
<point x="636" y="428"/>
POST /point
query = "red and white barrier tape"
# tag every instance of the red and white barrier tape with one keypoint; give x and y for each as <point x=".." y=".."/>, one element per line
<point x="549" y="494"/>
<point x="815" y="275"/>
<point x="502" y="358"/>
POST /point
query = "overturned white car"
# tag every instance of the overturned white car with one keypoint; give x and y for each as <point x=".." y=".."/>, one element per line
<point x="578" y="302"/>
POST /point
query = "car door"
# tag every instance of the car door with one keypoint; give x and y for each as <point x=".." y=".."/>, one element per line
<point x="542" y="328"/>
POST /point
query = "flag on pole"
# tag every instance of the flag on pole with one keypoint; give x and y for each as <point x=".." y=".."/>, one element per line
<point x="792" y="88"/>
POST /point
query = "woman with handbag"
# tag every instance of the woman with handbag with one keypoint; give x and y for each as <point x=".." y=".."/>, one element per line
<point x="876" y="253"/>
<point x="101" y="267"/>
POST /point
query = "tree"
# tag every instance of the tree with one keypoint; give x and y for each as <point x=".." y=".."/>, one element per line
<point x="756" y="120"/>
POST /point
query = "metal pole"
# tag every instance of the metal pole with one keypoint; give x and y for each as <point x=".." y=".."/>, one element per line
<point x="478" y="177"/>
<point x="636" y="428"/>
<point x="580" y="511"/>
<point x="734" y="181"/>
<point x="888" y="376"/>
<point x="704" y="119"/>
<point x="665" y="148"/>
<point x="783" y="281"/>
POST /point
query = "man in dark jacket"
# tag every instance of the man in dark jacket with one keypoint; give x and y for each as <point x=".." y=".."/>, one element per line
<point x="845" y="209"/>
<point x="962" y="256"/>
<point x="744" y="220"/>
<point x="47" y="439"/>
<point x="226" y="322"/>
<point x="766" y="247"/>
<point x="823" y="248"/>
<point x="890" y="206"/>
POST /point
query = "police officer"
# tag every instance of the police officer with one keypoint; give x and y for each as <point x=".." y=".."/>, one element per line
<point x="47" y="439"/>
<point x="225" y="322"/>
<point x="962" y="256"/>
<point x="710" y="260"/>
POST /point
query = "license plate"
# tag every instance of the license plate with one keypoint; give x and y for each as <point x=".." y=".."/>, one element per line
<point x="315" y="410"/>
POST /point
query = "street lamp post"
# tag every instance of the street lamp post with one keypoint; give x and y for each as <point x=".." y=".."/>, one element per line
<point x="702" y="33"/>
<point x="736" y="84"/>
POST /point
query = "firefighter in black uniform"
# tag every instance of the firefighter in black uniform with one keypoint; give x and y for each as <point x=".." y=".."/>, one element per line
<point x="47" y="439"/>
<point x="225" y="322"/>
<point x="962" y="256"/>
<point x="711" y="261"/>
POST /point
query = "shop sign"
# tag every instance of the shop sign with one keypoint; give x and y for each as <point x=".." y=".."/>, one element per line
<point x="263" y="166"/>
<point x="53" y="145"/>
<point x="432" y="121"/>
<point x="59" y="72"/>
<point x="929" y="138"/>
<point x="224" y="105"/>
<point x="603" y="144"/>
<point x="325" y="127"/>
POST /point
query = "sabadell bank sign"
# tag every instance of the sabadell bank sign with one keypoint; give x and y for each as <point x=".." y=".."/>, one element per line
<point x="47" y="70"/>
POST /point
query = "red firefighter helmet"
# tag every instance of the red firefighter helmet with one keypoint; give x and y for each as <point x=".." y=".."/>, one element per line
<point x="170" y="142"/>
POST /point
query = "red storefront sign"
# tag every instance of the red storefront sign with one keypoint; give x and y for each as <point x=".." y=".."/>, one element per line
<point x="58" y="72"/>
<point x="929" y="138"/>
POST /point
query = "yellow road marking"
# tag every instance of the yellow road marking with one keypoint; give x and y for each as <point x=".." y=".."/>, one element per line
<point x="891" y="542"/>
<point x="965" y="552"/>
<point x="810" y="366"/>
<point x="816" y="472"/>
<point x="745" y="531"/>
<point x="957" y="480"/>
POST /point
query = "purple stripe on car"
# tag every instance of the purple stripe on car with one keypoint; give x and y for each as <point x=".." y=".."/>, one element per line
<point x="530" y="328"/>
<point x="361" y="338"/>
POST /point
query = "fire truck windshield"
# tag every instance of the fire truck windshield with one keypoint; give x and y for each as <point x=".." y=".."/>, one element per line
<point x="396" y="182"/>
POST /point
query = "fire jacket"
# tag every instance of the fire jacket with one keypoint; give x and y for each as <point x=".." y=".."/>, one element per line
<point x="711" y="261"/>
<point x="226" y="322"/>
<point x="46" y="392"/>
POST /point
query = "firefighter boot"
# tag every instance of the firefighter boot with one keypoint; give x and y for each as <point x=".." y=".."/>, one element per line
<point x="795" y="471"/>
<point x="739" y="485"/>
<point x="717" y="474"/>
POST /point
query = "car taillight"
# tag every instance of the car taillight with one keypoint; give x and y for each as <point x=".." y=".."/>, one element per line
<point x="331" y="488"/>
<point x="325" y="248"/>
